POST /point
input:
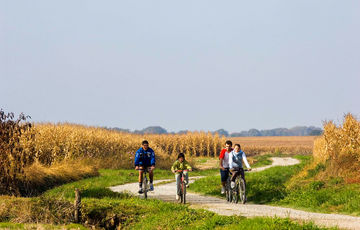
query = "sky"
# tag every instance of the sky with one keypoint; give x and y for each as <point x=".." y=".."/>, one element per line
<point x="197" y="65"/>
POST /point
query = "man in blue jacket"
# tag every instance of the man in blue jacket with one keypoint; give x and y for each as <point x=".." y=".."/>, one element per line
<point x="145" y="159"/>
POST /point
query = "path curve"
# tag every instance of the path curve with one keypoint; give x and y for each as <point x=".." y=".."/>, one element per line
<point x="220" y="206"/>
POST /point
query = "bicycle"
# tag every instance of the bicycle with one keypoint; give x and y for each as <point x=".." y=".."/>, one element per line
<point x="145" y="182"/>
<point x="182" y="186"/>
<point x="228" y="192"/>
<point x="239" y="191"/>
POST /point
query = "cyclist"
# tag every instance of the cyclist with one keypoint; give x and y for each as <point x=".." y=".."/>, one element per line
<point x="235" y="163"/>
<point x="145" y="159"/>
<point x="179" y="165"/>
<point x="224" y="164"/>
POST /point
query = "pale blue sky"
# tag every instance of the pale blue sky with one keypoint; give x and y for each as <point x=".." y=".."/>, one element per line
<point x="198" y="65"/>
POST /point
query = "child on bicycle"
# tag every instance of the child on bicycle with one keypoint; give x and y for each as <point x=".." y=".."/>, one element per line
<point x="235" y="163"/>
<point x="180" y="165"/>
<point x="145" y="160"/>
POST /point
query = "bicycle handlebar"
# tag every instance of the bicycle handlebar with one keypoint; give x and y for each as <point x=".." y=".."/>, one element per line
<point x="185" y="170"/>
<point x="237" y="169"/>
<point x="143" y="169"/>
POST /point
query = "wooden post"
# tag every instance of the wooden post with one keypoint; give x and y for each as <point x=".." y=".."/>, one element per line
<point x="77" y="204"/>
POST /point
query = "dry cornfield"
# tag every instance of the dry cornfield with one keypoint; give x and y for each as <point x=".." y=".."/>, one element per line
<point x="50" y="144"/>
<point x="56" y="142"/>
<point x="336" y="154"/>
<point x="339" y="149"/>
<point x="16" y="150"/>
<point x="286" y="145"/>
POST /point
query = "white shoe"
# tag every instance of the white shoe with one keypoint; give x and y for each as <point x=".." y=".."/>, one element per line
<point x="223" y="190"/>
<point x="177" y="197"/>
<point x="232" y="184"/>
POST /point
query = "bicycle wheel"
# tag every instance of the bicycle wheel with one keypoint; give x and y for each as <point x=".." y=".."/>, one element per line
<point x="242" y="191"/>
<point x="227" y="194"/>
<point x="181" y="189"/>
<point x="228" y="191"/>
<point x="235" y="191"/>
<point x="145" y="187"/>
<point x="183" y="192"/>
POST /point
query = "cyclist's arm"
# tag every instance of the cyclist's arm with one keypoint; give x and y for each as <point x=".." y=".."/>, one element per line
<point x="231" y="160"/>
<point x="221" y="157"/>
<point x="245" y="161"/>
<point x="187" y="166"/>
<point x="221" y="163"/>
<point x="174" y="167"/>
<point x="153" y="159"/>
<point x="137" y="158"/>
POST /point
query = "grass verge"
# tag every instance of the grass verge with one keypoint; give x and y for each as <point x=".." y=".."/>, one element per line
<point x="319" y="196"/>
<point x="10" y="226"/>
<point x="261" y="160"/>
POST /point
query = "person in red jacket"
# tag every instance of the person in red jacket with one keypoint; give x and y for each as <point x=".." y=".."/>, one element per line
<point x="224" y="164"/>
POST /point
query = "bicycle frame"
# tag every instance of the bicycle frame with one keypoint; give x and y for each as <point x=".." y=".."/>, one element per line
<point x="239" y="191"/>
<point x="182" y="186"/>
<point x="145" y="181"/>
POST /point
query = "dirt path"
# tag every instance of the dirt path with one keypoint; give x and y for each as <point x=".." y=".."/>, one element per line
<point x="166" y="192"/>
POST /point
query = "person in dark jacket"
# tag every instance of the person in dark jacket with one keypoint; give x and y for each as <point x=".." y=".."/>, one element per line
<point x="145" y="160"/>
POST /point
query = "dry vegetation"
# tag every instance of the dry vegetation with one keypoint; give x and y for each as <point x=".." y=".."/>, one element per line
<point x="36" y="210"/>
<point x="53" y="143"/>
<point x="43" y="155"/>
<point x="336" y="154"/>
<point x="285" y="145"/>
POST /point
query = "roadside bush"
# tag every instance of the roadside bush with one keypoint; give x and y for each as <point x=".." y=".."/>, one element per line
<point x="16" y="152"/>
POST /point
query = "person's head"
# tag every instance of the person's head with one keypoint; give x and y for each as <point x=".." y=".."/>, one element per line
<point x="181" y="157"/>
<point x="145" y="144"/>
<point x="237" y="148"/>
<point x="228" y="145"/>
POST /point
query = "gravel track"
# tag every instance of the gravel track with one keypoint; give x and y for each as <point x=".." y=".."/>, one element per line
<point x="166" y="192"/>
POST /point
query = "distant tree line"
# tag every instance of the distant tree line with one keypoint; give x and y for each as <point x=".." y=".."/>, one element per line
<point x="295" y="131"/>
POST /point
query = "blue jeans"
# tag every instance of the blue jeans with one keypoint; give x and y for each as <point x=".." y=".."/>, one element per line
<point x="224" y="174"/>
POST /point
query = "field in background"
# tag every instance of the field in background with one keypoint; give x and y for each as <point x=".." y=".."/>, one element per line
<point x="285" y="145"/>
<point x="45" y="150"/>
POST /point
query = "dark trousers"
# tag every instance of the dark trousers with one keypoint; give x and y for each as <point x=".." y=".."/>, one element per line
<point x="224" y="174"/>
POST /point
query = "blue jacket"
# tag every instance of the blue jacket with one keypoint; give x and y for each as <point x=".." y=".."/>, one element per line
<point x="236" y="158"/>
<point x="145" y="157"/>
